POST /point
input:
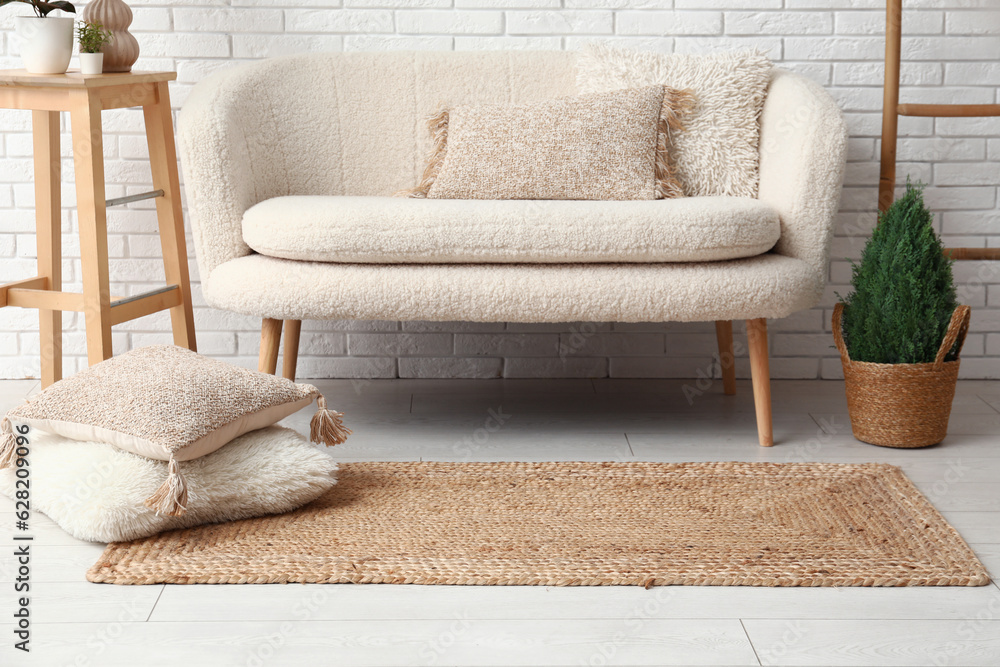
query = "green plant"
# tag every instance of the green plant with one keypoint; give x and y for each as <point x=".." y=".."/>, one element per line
<point x="904" y="294"/>
<point x="42" y="8"/>
<point x="92" y="36"/>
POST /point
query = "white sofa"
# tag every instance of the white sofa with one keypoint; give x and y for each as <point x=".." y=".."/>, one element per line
<point x="289" y="164"/>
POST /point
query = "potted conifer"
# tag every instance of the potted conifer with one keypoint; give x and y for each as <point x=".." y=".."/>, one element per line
<point x="901" y="330"/>
<point x="46" y="41"/>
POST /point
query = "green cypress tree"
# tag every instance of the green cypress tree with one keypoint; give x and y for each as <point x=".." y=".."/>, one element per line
<point x="904" y="294"/>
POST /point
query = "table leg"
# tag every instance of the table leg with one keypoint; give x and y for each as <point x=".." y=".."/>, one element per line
<point x="88" y="158"/>
<point x="48" y="236"/>
<point x="163" y="162"/>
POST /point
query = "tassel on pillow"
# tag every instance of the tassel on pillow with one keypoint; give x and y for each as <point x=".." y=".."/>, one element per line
<point x="676" y="105"/>
<point x="327" y="425"/>
<point x="437" y="123"/>
<point x="8" y="444"/>
<point x="172" y="496"/>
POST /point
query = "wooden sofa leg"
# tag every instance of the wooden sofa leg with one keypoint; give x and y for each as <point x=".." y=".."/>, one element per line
<point x="270" y="342"/>
<point x="761" y="374"/>
<point x="724" y="334"/>
<point x="291" y="358"/>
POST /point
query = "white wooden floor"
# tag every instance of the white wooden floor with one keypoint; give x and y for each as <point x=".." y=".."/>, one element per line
<point x="78" y="623"/>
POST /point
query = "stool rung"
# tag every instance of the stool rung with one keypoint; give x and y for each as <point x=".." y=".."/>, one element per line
<point x="129" y="308"/>
<point x="129" y="299"/>
<point x="133" y="198"/>
<point x="36" y="283"/>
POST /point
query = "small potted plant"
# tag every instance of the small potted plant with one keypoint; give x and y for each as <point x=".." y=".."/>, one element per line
<point x="900" y="332"/>
<point x="46" y="41"/>
<point x="91" y="36"/>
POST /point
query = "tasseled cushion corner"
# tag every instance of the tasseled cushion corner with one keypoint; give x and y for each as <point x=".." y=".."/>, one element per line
<point x="8" y="444"/>
<point x="327" y="426"/>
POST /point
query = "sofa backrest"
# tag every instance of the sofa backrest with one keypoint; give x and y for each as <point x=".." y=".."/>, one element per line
<point x="355" y="123"/>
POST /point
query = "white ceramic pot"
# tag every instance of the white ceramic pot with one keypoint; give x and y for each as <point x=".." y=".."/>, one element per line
<point x="91" y="63"/>
<point x="46" y="43"/>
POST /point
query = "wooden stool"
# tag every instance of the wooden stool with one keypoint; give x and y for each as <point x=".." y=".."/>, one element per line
<point x="84" y="97"/>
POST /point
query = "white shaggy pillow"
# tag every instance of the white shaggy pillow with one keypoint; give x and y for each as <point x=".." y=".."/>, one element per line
<point x="95" y="492"/>
<point x="717" y="152"/>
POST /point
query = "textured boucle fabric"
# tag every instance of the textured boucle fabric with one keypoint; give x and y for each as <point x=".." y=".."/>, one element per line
<point x="269" y="471"/>
<point x="601" y="146"/>
<point x="353" y="124"/>
<point x="803" y="153"/>
<point x="163" y="402"/>
<point x="387" y="230"/>
<point x="333" y="124"/>
<point x="717" y="152"/>
<point x="767" y="285"/>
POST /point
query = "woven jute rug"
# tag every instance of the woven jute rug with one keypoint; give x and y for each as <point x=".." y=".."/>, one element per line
<point x="577" y="524"/>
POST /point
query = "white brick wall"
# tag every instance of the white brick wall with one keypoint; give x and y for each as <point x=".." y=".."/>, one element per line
<point x="951" y="46"/>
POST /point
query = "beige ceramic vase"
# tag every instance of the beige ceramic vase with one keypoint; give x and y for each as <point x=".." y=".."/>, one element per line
<point x="123" y="50"/>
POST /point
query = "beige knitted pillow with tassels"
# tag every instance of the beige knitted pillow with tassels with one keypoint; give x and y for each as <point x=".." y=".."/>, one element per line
<point x="610" y="146"/>
<point x="167" y="403"/>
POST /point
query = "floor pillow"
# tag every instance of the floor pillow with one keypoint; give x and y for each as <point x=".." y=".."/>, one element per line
<point x="96" y="492"/>
<point x="167" y="403"/>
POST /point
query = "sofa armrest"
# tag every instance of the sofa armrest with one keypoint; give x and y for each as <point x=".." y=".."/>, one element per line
<point x="803" y="147"/>
<point x="250" y="133"/>
<point x="218" y="168"/>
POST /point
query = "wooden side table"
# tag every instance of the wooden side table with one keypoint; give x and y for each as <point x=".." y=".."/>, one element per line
<point x="84" y="97"/>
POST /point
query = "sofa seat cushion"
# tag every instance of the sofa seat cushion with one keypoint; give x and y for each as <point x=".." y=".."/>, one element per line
<point x="393" y="230"/>
<point x="768" y="285"/>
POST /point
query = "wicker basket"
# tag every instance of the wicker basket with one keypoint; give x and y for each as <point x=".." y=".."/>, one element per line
<point x="902" y="405"/>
